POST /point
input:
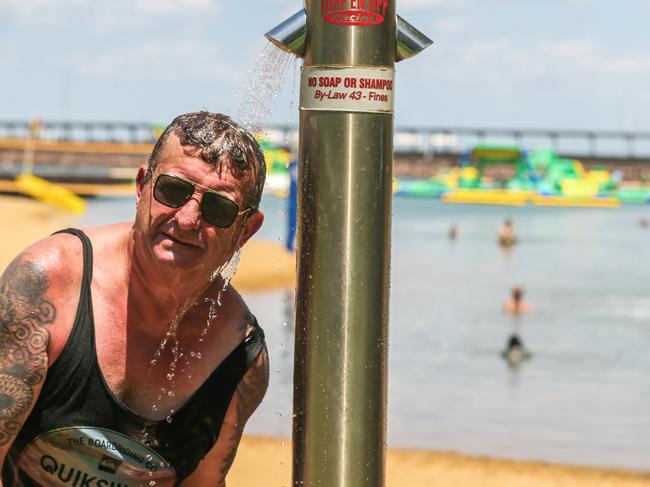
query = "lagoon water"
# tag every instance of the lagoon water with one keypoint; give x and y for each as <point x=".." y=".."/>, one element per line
<point x="583" y="398"/>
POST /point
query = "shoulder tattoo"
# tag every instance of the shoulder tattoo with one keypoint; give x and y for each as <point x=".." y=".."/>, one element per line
<point x="24" y="315"/>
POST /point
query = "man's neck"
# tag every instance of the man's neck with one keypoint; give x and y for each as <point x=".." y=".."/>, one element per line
<point x="155" y="299"/>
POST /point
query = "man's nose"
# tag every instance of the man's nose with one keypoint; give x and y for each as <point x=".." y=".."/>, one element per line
<point x="188" y="216"/>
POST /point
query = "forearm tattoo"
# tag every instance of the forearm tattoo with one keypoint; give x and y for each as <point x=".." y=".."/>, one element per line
<point x="249" y="395"/>
<point x="24" y="314"/>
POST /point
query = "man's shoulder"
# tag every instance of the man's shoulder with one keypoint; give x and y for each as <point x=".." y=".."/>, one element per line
<point x="54" y="256"/>
<point x="42" y="283"/>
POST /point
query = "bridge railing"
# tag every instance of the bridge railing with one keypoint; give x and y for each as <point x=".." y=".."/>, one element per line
<point x="427" y="141"/>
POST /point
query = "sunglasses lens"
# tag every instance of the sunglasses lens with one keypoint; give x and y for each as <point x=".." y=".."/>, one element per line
<point x="172" y="192"/>
<point x="218" y="210"/>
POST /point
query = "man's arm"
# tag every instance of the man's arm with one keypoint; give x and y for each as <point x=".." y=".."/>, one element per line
<point x="25" y="313"/>
<point x="249" y="393"/>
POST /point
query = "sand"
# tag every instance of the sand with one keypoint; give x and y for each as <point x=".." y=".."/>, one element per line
<point x="266" y="462"/>
<point x="265" y="266"/>
<point x="26" y="221"/>
<point x="263" y="461"/>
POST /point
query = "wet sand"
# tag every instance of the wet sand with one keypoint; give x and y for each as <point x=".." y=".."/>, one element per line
<point x="267" y="461"/>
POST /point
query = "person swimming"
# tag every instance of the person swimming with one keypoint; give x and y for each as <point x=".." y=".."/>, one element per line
<point x="453" y="232"/>
<point x="516" y="304"/>
<point x="507" y="234"/>
<point x="515" y="352"/>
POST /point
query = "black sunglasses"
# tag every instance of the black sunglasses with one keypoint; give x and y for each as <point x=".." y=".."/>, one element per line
<point x="174" y="191"/>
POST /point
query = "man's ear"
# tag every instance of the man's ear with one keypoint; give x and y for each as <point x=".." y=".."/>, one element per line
<point x="140" y="182"/>
<point x="252" y="225"/>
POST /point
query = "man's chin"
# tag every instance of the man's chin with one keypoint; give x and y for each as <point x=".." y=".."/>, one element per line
<point x="179" y="256"/>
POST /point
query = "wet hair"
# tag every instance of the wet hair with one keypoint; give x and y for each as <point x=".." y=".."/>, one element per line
<point x="517" y="293"/>
<point x="222" y="142"/>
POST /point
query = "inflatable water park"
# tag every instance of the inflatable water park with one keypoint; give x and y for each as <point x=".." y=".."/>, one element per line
<point x="508" y="175"/>
<point x="500" y="175"/>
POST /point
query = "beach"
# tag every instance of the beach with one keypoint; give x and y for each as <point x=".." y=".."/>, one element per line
<point x="266" y="461"/>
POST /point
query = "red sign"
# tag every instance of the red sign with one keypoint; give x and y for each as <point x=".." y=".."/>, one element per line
<point x="353" y="12"/>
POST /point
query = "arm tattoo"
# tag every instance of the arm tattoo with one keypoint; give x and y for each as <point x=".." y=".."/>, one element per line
<point x="24" y="312"/>
<point x="252" y="387"/>
<point x="248" y="395"/>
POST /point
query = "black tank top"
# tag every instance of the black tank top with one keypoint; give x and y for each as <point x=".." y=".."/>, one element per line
<point x="79" y="434"/>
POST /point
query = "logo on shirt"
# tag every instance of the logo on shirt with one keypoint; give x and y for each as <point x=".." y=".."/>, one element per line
<point x="93" y="457"/>
<point x="109" y="464"/>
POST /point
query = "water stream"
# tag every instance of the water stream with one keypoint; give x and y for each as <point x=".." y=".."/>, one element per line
<point x="264" y="85"/>
<point x="225" y="272"/>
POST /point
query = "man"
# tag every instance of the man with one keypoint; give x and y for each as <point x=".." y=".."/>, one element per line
<point x="125" y="356"/>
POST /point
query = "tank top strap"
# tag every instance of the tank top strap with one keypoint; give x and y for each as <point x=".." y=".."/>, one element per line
<point x="83" y="326"/>
<point x="253" y="344"/>
<point x="87" y="255"/>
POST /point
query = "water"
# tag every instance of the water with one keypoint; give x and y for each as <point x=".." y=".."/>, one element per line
<point x="225" y="272"/>
<point x="265" y="83"/>
<point x="582" y="398"/>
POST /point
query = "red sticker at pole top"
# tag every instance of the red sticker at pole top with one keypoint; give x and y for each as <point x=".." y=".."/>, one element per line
<point x="347" y="89"/>
<point x="354" y="12"/>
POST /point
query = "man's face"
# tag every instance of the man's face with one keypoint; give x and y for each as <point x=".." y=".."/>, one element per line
<point x="180" y="239"/>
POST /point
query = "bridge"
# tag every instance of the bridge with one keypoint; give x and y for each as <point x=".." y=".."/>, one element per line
<point x="95" y="149"/>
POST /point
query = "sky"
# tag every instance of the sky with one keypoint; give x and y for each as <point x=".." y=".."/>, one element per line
<point x="557" y="64"/>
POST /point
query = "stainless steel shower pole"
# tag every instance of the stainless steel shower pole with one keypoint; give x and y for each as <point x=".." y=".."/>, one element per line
<point x="343" y="248"/>
<point x="345" y="171"/>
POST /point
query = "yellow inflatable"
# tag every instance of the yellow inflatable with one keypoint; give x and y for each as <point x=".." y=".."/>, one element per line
<point x="50" y="193"/>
